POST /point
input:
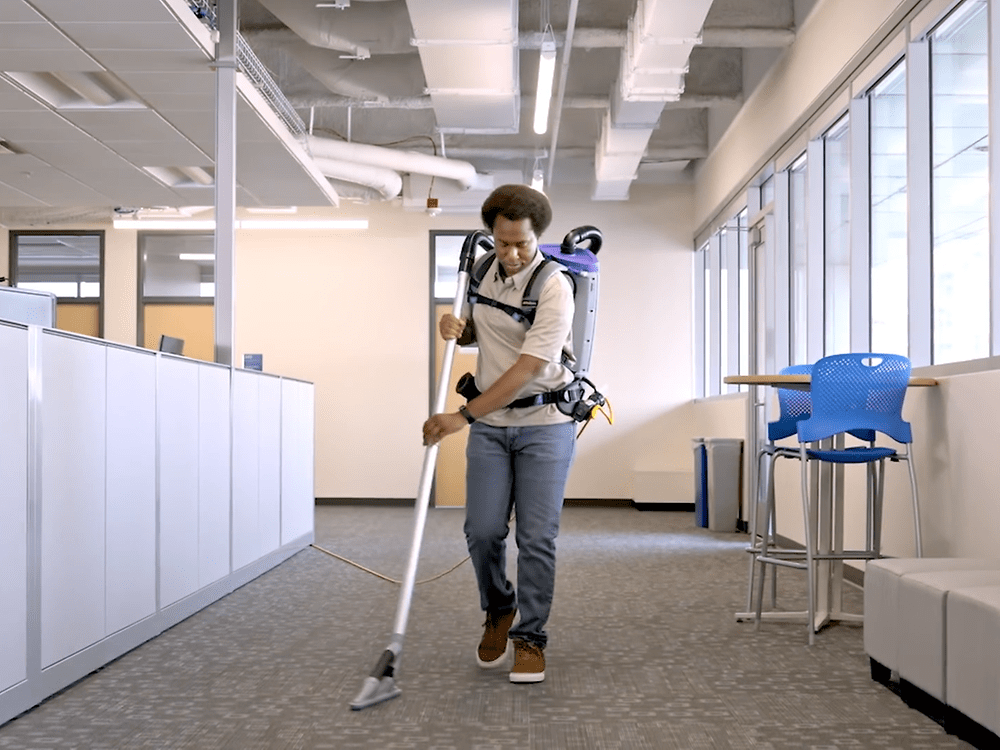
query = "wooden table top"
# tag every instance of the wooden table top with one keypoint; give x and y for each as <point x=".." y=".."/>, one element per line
<point x="798" y="380"/>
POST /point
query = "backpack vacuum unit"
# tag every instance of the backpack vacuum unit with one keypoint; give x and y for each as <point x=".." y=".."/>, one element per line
<point x="581" y="266"/>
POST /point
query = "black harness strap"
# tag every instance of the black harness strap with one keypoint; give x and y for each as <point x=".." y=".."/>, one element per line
<point x="529" y="301"/>
<point x="524" y="314"/>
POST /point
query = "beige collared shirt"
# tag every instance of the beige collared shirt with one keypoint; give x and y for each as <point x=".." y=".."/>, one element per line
<point x="502" y="340"/>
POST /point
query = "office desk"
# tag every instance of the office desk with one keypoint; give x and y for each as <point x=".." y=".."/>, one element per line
<point x="829" y="588"/>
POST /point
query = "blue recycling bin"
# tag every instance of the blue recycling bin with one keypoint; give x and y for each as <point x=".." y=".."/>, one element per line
<point x="718" y="474"/>
<point x="700" y="482"/>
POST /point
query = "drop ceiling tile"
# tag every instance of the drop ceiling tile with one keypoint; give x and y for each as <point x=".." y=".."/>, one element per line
<point x="201" y="101"/>
<point x="15" y="198"/>
<point x="163" y="60"/>
<point x="33" y="36"/>
<point x="168" y="35"/>
<point x="36" y="178"/>
<point x="122" y="124"/>
<point x="169" y="82"/>
<point x="15" y="11"/>
<point x="177" y="153"/>
<point x="41" y="126"/>
<point x="46" y="60"/>
<point x="198" y="129"/>
<point x="13" y="99"/>
<point x="75" y="155"/>
<point x="110" y="11"/>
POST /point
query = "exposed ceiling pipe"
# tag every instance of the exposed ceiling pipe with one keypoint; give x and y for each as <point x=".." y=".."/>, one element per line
<point x="413" y="162"/>
<point x="383" y="77"/>
<point x="361" y="30"/>
<point x="386" y="182"/>
<point x="563" y="73"/>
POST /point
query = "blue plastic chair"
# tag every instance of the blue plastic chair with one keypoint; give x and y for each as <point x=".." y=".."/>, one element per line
<point x="793" y="405"/>
<point x="861" y="394"/>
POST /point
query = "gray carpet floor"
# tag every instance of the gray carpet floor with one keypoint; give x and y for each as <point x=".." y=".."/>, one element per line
<point x="644" y="652"/>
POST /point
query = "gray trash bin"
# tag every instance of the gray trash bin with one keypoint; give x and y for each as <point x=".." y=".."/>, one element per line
<point x="724" y="459"/>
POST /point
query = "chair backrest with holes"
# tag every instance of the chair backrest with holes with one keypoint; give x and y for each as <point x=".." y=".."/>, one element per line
<point x="793" y="406"/>
<point x="859" y="391"/>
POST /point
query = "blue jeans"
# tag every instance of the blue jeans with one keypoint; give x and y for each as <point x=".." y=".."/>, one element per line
<point x="523" y="468"/>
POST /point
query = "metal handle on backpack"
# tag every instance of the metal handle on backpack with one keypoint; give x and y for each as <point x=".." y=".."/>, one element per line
<point x="582" y="234"/>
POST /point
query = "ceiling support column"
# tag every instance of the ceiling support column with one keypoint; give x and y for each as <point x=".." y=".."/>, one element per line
<point x="225" y="183"/>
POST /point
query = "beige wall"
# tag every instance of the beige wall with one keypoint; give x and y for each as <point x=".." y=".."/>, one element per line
<point x="350" y="312"/>
<point x="121" y="262"/>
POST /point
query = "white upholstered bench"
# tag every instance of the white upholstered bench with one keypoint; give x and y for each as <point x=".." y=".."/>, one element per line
<point x="881" y="606"/>
<point x="973" y="654"/>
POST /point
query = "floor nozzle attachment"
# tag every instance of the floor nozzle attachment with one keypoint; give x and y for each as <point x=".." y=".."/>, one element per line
<point x="378" y="686"/>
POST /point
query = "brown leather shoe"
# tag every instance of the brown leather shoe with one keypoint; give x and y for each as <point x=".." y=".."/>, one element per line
<point x="495" y="645"/>
<point x="529" y="662"/>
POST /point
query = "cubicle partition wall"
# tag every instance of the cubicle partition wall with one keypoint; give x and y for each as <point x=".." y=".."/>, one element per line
<point x="135" y="488"/>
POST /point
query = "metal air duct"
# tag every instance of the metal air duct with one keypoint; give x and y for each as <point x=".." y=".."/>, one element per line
<point x="468" y="49"/>
<point x="658" y="43"/>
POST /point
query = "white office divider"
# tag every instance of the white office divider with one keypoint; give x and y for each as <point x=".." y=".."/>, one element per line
<point x="135" y="488"/>
<point x="177" y="406"/>
<point x="13" y="507"/>
<point x="297" y="459"/>
<point x="246" y="467"/>
<point x="131" y="487"/>
<point x="73" y="428"/>
<point x="269" y="464"/>
<point x="214" y="470"/>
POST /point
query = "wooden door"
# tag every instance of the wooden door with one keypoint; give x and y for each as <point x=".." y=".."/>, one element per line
<point x="449" y="477"/>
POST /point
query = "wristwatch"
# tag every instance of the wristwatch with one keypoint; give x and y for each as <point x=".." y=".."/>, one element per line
<point x="465" y="413"/>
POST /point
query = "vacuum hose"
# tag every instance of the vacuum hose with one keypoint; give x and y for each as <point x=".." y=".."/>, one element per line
<point x="582" y="234"/>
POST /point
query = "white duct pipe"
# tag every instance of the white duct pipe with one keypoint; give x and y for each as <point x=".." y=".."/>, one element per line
<point x="412" y="162"/>
<point x="386" y="182"/>
<point x="366" y="28"/>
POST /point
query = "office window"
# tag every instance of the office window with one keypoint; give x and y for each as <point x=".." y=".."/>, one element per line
<point x="177" y="291"/>
<point x="68" y="265"/>
<point x="797" y="262"/>
<point x="180" y="265"/>
<point x="725" y="365"/>
<point x="446" y="247"/>
<point x="744" y="291"/>
<point x="701" y="318"/>
<point x="707" y="312"/>
<point x="960" y="186"/>
<point x="837" y="237"/>
<point x="887" y="165"/>
<point x="767" y="191"/>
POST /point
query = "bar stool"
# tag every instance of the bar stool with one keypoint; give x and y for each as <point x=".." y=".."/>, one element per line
<point x="850" y="393"/>
<point x="793" y="405"/>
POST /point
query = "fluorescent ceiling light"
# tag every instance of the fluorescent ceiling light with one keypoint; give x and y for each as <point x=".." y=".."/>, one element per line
<point x="209" y="224"/>
<point x="179" y="224"/>
<point x="196" y="256"/>
<point x="302" y="224"/>
<point x="271" y="209"/>
<point x="546" y="72"/>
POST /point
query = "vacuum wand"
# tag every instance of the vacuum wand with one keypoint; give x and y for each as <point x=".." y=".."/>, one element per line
<point x="380" y="685"/>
